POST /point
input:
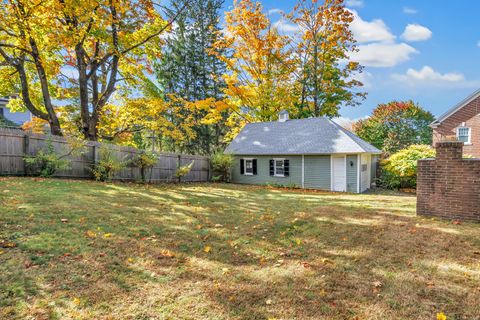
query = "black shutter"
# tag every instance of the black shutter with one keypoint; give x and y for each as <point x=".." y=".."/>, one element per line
<point x="286" y="168"/>
<point x="254" y="164"/>
<point x="272" y="171"/>
<point x="242" y="167"/>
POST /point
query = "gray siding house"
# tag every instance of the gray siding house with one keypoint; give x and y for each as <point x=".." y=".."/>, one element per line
<point x="16" y="117"/>
<point x="314" y="153"/>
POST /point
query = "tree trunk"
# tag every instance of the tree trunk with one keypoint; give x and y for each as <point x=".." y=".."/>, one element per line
<point x="42" y="75"/>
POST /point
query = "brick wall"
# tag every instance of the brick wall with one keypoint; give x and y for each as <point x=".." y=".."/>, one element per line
<point x="470" y="114"/>
<point x="449" y="186"/>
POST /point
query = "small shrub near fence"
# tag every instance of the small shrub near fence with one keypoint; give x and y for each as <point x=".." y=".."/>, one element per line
<point x="17" y="146"/>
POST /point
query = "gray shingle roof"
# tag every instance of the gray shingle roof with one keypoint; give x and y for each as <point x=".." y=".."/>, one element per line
<point x="302" y="136"/>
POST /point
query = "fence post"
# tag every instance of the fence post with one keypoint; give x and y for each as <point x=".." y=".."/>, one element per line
<point x="94" y="157"/>
<point x="178" y="167"/>
<point x="26" y="152"/>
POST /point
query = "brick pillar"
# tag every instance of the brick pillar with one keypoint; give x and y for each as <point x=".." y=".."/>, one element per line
<point x="449" y="150"/>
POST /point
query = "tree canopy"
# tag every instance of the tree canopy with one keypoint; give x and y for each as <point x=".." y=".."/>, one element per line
<point x="396" y="125"/>
<point x="147" y="74"/>
<point x="75" y="53"/>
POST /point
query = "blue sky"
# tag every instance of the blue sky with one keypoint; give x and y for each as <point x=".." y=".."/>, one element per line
<point x="422" y="50"/>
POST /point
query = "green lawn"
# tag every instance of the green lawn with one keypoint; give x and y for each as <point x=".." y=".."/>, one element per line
<point x="86" y="250"/>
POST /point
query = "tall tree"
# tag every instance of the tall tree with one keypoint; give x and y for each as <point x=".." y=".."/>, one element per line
<point x="326" y="77"/>
<point x="396" y="125"/>
<point x="60" y="50"/>
<point x="189" y="71"/>
<point x="259" y="81"/>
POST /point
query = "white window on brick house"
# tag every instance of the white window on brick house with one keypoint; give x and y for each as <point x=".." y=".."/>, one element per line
<point x="463" y="134"/>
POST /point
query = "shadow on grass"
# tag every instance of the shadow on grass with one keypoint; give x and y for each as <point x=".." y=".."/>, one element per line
<point x="230" y="252"/>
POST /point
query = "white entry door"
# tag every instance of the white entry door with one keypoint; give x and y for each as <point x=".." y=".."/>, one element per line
<point x="339" y="174"/>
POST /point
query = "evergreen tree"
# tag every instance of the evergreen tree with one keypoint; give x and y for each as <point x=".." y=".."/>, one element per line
<point x="188" y="70"/>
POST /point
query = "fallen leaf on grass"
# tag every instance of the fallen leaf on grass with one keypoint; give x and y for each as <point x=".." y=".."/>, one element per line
<point x="76" y="301"/>
<point x="7" y="244"/>
<point x="108" y="235"/>
<point x="377" y="284"/>
<point x="306" y="265"/>
<point x="441" y="316"/>
<point x="207" y="249"/>
<point x="268" y="302"/>
<point x="167" y="253"/>
<point x="90" y="234"/>
<point x="456" y="222"/>
<point x="64" y="220"/>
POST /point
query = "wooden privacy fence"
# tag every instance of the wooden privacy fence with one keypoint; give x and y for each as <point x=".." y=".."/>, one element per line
<point x="15" y="144"/>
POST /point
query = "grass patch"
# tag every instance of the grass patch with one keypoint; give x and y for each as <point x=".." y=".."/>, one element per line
<point x="86" y="250"/>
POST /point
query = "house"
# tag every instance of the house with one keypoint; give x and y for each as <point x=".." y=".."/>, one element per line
<point x="314" y="153"/>
<point x="463" y="122"/>
<point x="18" y="118"/>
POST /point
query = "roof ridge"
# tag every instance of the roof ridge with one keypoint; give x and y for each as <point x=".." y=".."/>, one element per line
<point x="289" y="120"/>
<point x="345" y="133"/>
<point x="456" y="107"/>
<point x="349" y="135"/>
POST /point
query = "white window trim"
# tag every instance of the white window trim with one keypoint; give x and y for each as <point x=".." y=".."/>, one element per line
<point x="275" y="167"/>
<point x="245" y="173"/>
<point x="469" y="134"/>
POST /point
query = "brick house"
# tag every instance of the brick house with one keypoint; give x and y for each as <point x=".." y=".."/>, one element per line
<point x="463" y="122"/>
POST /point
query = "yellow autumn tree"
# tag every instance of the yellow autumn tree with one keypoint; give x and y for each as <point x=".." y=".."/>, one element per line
<point x="326" y="77"/>
<point x="78" y="52"/>
<point x="260" y="65"/>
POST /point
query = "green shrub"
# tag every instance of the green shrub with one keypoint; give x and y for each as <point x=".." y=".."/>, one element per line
<point x="48" y="161"/>
<point x="183" y="171"/>
<point x="222" y="166"/>
<point x="107" y="165"/>
<point x="400" y="170"/>
<point x="144" y="161"/>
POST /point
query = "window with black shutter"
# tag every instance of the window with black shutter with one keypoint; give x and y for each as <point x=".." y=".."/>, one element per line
<point x="286" y="168"/>
<point x="248" y="167"/>
<point x="279" y="168"/>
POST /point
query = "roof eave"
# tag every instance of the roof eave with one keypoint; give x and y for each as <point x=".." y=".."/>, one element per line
<point x="455" y="108"/>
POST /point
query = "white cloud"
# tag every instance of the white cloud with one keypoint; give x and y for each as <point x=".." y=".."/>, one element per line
<point x="416" y="32"/>
<point x="384" y="54"/>
<point x="427" y="76"/>
<point x="355" y="3"/>
<point x="284" y="26"/>
<point x="408" y="10"/>
<point x="370" y="31"/>
<point x="275" y="11"/>
<point x="365" y="78"/>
